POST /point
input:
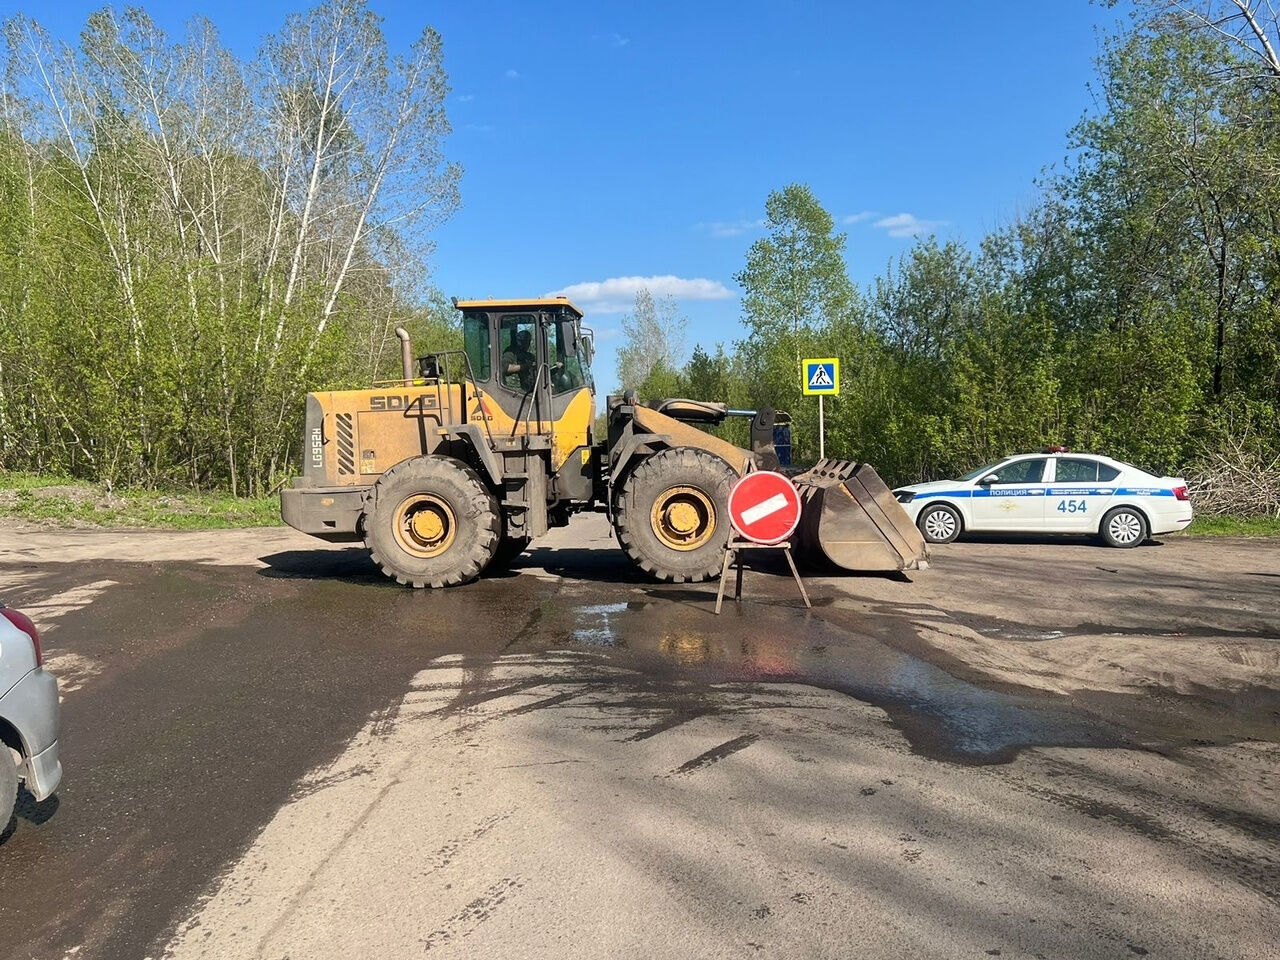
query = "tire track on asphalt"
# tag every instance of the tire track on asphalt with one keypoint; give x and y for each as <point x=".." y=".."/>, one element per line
<point x="300" y="895"/>
<point x="718" y="753"/>
<point x="467" y="920"/>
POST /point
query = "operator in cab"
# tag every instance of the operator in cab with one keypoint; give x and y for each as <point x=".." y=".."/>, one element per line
<point x="519" y="365"/>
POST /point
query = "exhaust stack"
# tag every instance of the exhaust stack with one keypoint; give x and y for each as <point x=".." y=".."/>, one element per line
<point x="406" y="355"/>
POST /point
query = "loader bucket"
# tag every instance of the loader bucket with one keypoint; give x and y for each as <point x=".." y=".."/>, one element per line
<point x="850" y="519"/>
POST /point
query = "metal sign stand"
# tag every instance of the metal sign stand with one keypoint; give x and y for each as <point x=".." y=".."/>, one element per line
<point x="733" y="552"/>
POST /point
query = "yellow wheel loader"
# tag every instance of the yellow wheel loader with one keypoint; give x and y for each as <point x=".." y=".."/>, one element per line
<point x="454" y="468"/>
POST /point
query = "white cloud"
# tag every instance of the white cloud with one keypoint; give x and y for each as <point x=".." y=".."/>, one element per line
<point x="512" y="73"/>
<point x="858" y="217"/>
<point x="730" y="228"/>
<point x="612" y="39"/>
<point x="618" y="294"/>
<point x="907" y="225"/>
<point x="465" y="97"/>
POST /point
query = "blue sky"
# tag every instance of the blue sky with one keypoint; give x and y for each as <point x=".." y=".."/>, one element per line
<point x="604" y="142"/>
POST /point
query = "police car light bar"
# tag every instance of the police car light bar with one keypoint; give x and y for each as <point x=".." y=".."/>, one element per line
<point x="1057" y="450"/>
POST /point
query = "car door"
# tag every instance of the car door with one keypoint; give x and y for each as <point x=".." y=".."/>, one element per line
<point x="1011" y="497"/>
<point x="1078" y="494"/>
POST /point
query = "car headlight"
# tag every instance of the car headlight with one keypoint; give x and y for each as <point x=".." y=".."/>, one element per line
<point x="904" y="496"/>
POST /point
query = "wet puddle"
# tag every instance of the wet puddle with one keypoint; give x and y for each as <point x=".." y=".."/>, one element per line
<point x="597" y="624"/>
<point x="941" y="715"/>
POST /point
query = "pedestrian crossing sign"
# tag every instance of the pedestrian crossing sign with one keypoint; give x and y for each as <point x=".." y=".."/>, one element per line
<point x="821" y="377"/>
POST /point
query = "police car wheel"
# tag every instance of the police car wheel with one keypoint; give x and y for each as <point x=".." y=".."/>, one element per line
<point x="939" y="523"/>
<point x="1124" y="527"/>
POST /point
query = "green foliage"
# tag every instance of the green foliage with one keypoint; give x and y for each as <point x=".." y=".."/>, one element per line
<point x="652" y="348"/>
<point x="1134" y="311"/>
<point x="796" y="293"/>
<point x="189" y="243"/>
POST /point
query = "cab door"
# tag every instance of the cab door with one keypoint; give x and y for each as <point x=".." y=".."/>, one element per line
<point x="1012" y="497"/>
<point x="520" y="384"/>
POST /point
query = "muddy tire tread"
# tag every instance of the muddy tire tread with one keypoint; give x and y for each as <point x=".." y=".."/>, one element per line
<point x="426" y="474"/>
<point x="675" y="465"/>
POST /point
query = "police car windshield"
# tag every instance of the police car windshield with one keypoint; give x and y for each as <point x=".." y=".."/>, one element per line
<point x="981" y="471"/>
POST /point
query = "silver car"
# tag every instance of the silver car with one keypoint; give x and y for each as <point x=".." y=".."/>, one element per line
<point x="28" y="715"/>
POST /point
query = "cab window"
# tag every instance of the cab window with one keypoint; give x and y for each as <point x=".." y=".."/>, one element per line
<point x="518" y="341"/>
<point x="475" y="341"/>
<point x="568" y="366"/>
<point x="1077" y="471"/>
<point x="1021" y="471"/>
<point x="1107" y="473"/>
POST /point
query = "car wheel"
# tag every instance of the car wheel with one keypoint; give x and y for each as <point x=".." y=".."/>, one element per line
<point x="1124" y="527"/>
<point x="939" y="523"/>
<point x="8" y="787"/>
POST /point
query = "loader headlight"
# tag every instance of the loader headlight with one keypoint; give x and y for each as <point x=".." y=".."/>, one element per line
<point x="904" y="496"/>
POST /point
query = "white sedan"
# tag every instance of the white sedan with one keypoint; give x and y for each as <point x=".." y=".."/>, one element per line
<point x="1051" y="492"/>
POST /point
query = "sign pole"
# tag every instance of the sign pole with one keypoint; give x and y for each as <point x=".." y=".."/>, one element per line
<point x="820" y="377"/>
<point x="822" y="431"/>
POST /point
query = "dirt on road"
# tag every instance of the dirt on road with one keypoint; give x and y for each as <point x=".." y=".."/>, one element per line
<point x="1030" y="749"/>
<point x="1064" y="615"/>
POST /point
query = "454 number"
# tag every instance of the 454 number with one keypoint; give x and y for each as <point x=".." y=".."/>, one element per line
<point x="1072" y="506"/>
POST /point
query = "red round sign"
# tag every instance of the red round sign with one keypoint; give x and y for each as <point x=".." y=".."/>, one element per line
<point x="764" y="507"/>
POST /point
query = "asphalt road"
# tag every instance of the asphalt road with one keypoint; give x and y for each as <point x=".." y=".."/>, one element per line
<point x="1032" y="749"/>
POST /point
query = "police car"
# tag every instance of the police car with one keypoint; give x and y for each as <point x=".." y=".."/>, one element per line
<point x="1052" y="492"/>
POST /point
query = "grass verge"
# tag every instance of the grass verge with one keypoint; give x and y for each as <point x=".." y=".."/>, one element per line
<point x="1263" y="526"/>
<point x="67" y="502"/>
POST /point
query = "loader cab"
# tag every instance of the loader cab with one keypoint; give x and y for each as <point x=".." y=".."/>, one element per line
<point x="531" y="357"/>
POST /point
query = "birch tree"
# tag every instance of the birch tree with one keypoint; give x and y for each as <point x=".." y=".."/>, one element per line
<point x="237" y="231"/>
<point x="653" y="341"/>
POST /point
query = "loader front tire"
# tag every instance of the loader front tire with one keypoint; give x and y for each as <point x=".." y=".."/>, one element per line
<point x="672" y="517"/>
<point x="431" y="522"/>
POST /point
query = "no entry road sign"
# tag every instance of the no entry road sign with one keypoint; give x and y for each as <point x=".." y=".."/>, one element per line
<point x="764" y="507"/>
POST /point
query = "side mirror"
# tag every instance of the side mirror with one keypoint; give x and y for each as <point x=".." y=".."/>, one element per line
<point x="989" y="479"/>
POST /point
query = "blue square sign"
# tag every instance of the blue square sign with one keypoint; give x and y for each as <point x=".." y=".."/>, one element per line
<point x="820" y="376"/>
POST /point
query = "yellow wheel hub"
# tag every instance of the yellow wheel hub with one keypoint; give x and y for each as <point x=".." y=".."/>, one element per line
<point x="683" y="518"/>
<point x="425" y="525"/>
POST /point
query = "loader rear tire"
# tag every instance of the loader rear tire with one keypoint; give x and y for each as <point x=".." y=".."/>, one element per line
<point x="672" y="517"/>
<point x="432" y="523"/>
